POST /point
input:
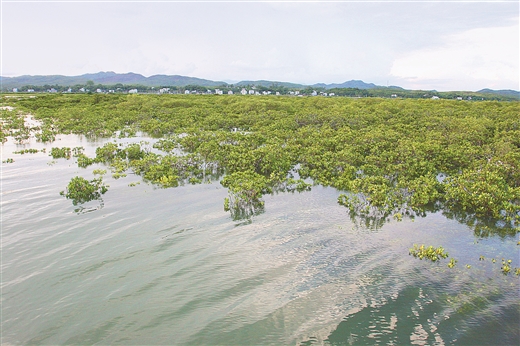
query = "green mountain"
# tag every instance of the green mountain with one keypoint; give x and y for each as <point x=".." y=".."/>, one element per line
<point x="267" y="84"/>
<point x="509" y="92"/>
<point x="106" y="78"/>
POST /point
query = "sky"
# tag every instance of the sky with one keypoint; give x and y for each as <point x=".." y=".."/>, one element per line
<point x="442" y="45"/>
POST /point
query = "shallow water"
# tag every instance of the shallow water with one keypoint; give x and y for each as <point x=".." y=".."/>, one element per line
<point x="169" y="266"/>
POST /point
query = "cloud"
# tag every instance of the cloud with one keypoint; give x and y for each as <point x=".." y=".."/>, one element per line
<point x="483" y="57"/>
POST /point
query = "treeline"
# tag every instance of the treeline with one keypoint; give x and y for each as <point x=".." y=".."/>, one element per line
<point x="263" y="90"/>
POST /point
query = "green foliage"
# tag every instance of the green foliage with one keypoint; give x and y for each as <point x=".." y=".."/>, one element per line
<point x="84" y="161"/>
<point x="80" y="190"/>
<point x="389" y="157"/>
<point x="429" y="253"/>
<point x="26" y="151"/>
<point x="58" y="153"/>
<point x="99" y="172"/>
<point x="452" y="263"/>
<point x="245" y="192"/>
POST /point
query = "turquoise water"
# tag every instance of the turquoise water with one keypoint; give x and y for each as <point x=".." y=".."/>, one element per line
<point x="170" y="266"/>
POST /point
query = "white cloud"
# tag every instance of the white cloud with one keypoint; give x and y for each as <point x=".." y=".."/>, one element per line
<point x="483" y="57"/>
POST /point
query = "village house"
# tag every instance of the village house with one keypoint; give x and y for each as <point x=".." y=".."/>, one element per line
<point x="243" y="92"/>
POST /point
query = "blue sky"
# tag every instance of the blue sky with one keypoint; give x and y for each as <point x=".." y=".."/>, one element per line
<point x="444" y="45"/>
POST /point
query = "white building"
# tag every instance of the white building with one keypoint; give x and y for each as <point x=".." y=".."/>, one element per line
<point x="15" y="90"/>
<point x="82" y="90"/>
<point x="132" y="91"/>
<point x="243" y="92"/>
<point x="314" y="93"/>
<point x="164" y="90"/>
<point x="277" y="93"/>
<point x="186" y="92"/>
<point x="230" y="92"/>
<point x="435" y="97"/>
<point x="251" y="92"/>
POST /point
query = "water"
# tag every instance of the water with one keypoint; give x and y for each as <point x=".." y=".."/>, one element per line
<point x="169" y="266"/>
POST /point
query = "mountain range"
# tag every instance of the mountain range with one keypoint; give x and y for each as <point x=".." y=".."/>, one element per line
<point x="112" y="78"/>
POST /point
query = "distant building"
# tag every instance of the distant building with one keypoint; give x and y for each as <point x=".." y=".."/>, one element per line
<point x="15" y="90"/>
<point x="251" y="92"/>
<point x="243" y="92"/>
<point x="230" y="92"/>
<point x="435" y="97"/>
<point x="314" y="93"/>
<point x="459" y="98"/>
<point x="99" y="90"/>
<point x="164" y="90"/>
<point x="82" y="90"/>
<point x="186" y="92"/>
<point x="332" y="94"/>
<point x="393" y="96"/>
<point x="132" y="91"/>
<point x="277" y="93"/>
<point x="30" y="90"/>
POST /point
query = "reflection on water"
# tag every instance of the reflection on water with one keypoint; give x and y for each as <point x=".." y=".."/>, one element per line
<point x="169" y="266"/>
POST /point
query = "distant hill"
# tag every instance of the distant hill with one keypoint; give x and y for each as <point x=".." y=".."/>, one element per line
<point x="106" y="78"/>
<point x="509" y="92"/>
<point x="267" y="83"/>
<point x="355" y="84"/>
